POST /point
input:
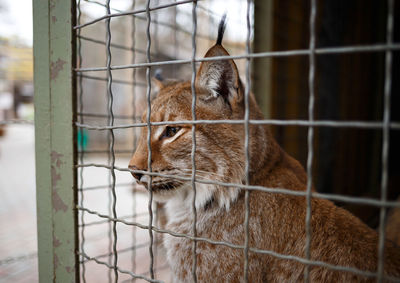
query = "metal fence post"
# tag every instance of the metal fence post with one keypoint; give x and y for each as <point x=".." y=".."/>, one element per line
<point x="55" y="143"/>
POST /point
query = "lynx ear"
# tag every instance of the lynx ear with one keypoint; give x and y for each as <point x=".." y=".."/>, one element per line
<point x="220" y="77"/>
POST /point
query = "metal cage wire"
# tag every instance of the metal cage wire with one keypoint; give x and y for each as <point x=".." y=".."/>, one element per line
<point x="113" y="219"/>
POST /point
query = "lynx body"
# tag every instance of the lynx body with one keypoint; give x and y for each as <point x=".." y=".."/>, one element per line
<point x="276" y="222"/>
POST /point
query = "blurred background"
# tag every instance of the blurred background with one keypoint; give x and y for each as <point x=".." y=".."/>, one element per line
<point x="349" y="87"/>
<point x="18" y="245"/>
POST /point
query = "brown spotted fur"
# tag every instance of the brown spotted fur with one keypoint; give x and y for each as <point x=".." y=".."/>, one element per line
<point x="277" y="221"/>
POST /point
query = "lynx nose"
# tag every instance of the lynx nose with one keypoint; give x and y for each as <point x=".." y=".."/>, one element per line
<point x="135" y="175"/>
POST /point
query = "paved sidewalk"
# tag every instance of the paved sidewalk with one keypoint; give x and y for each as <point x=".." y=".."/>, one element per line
<point x="18" y="204"/>
<point x="18" y="242"/>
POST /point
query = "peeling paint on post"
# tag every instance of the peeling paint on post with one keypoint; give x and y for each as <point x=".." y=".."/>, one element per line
<point x="54" y="129"/>
<point x="56" y="67"/>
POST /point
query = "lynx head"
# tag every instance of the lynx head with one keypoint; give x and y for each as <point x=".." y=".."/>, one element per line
<point x="219" y="152"/>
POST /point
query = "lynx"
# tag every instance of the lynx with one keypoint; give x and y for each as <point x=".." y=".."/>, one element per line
<point x="276" y="221"/>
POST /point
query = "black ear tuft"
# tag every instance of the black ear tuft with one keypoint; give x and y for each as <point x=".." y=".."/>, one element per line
<point x="221" y="29"/>
<point x="220" y="77"/>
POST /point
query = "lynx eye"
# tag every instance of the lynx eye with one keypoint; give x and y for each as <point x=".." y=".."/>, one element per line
<point x="170" y="132"/>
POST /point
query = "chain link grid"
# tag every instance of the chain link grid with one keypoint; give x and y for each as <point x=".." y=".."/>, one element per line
<point x="246" y="145"/>
<point x="134" y="118"/>
<point x="81" y="145"/>
<point x="310" y="136"/>
<point x="149" y="130"/>
<point x="385" y="137"/>
<point x="386" y="125"/>
<point x="194" y="145"/>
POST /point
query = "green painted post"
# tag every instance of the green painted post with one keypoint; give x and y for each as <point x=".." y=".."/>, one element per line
<point x="55" y="140"/>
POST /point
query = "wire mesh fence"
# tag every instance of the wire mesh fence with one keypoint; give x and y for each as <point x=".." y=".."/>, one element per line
<point x="119" y="231"/>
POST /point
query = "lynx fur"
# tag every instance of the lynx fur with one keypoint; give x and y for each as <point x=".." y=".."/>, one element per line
<point x="276" y="221"/>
